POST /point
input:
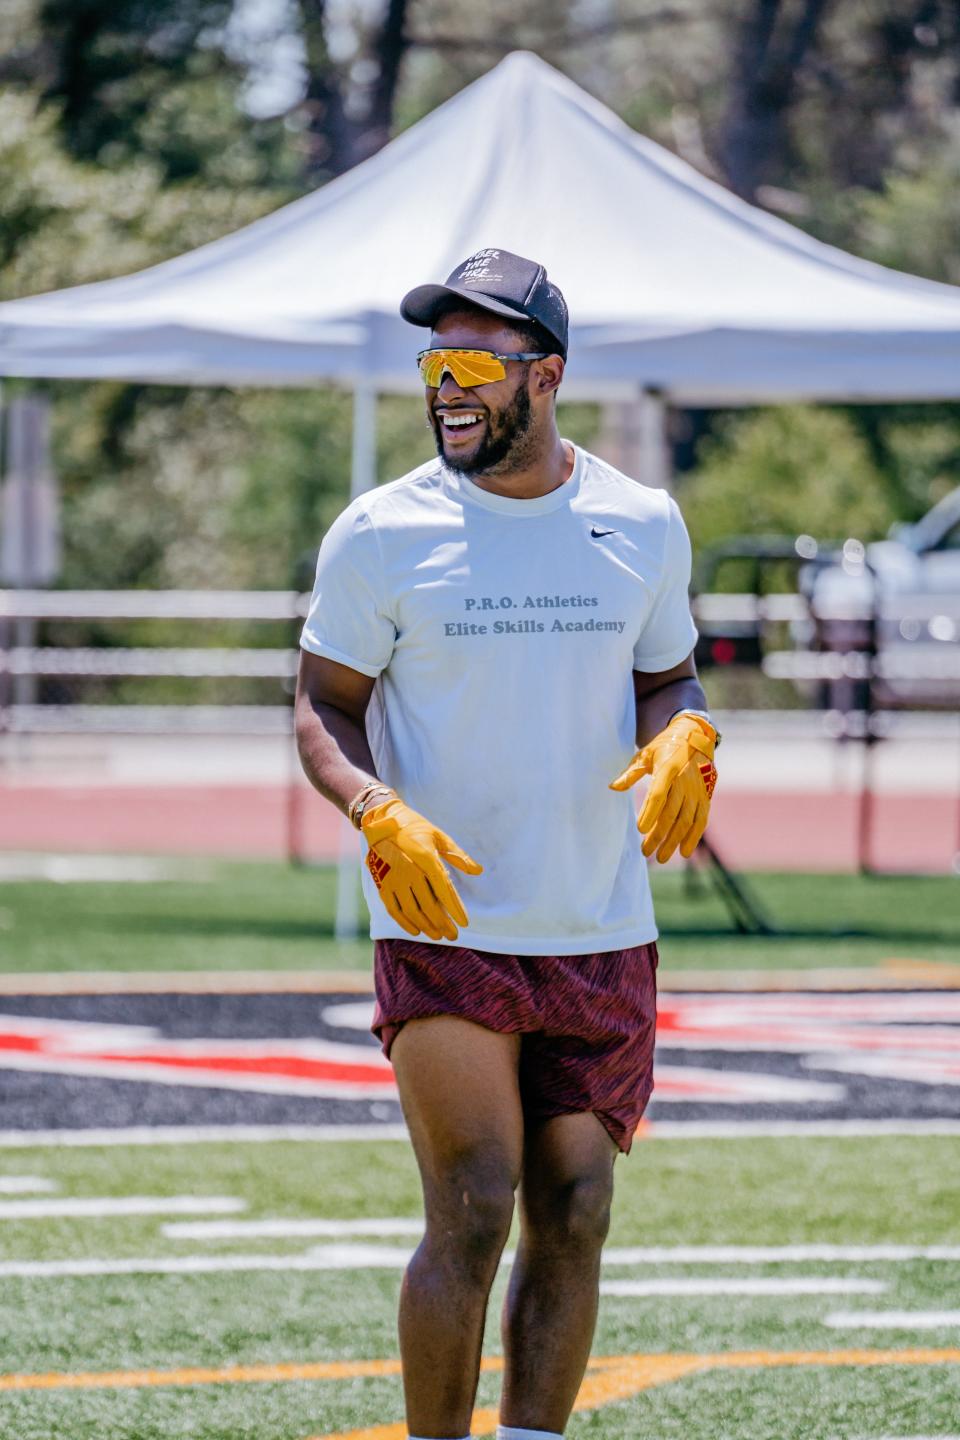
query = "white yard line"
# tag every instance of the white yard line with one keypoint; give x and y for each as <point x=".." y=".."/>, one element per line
<point x="738" y="1087"/>
<point x="287" y="1229"/>
<point x="79" y="869"/>
<point x="26" y="1185"/>
<point x="198" y="1135"/>
<point x="893" y="1320"/>
<point x="697" y="1285"/>
<point x="102" y="1207"/>
<point x="377" y="1132"/>
<point x="291" y="1228"/>
<point x="323" y="1257"/>
<point x="395" y="1257"/>
<point x="379" y="1257"/>
<point x="773" y="1254"/>
<point x="812" y="1129"/>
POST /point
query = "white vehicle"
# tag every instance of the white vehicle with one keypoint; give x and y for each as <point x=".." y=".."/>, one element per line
<point x="899" y="598"/>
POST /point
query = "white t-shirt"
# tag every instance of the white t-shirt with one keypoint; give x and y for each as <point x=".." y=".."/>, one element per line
<point x="503" y="634"/>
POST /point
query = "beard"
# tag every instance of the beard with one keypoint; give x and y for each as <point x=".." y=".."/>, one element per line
<point x="507" y="443"/>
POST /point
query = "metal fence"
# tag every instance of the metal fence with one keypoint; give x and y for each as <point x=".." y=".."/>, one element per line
<point x="785" y="635"/>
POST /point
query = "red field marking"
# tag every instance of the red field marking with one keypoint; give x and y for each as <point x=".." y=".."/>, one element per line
<point x="892" y="1035"/>
<point x="287" y="1066"/>
<point x="763" y="830"/>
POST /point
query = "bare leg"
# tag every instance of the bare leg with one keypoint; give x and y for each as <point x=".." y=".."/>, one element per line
<point x="458" y="1086"/>
<point x="551" y="1307"/>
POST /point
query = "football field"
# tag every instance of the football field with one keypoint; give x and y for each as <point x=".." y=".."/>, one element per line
<point x="753" y="1287"/>
<point x="207" y="1198"/>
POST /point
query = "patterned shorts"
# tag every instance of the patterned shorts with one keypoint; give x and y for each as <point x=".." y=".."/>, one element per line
<point x="588" y="1021"/>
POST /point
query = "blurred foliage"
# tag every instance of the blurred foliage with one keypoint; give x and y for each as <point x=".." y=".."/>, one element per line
<point x="786" y="470"/>
<point x="152" y="77"/>
<point x="129" y="133"/>
<point x="916" y="451"/>
<point x="197" y="488"/>
<point x="913" y="223"/>
<point x="65" y="222"/>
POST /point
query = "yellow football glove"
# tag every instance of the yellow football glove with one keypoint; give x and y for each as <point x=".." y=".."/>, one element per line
<point x="404" y="860"/>
<point x="680" y="762"/>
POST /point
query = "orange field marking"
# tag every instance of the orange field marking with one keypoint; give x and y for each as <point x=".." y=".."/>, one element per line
<point x="915" y="974"/>
<point x="203" y="1375"/>
<point x="620" y="1378"/>
<point x="218" y="1375"/>
<point x="609" y="1378"/>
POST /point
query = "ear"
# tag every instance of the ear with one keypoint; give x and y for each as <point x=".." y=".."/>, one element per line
<point x="547" y="374"/>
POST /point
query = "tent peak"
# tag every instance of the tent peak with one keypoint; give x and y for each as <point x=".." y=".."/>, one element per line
<point x="521" y="60"/>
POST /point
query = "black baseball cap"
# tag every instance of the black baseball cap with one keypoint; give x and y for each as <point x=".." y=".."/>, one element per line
<point x="499" y="282"/>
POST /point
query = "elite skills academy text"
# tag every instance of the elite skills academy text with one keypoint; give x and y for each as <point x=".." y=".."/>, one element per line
<point x="529" y="626"/>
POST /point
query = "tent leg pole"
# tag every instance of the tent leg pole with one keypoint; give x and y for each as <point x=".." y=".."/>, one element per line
<point x="363" y="459"/>
<point x="6" y="635"/>
<point x="296" y="846"/>
<point x="363" y="476"/>
<point x="653" y="443"/>
<point x="633" y="437"/>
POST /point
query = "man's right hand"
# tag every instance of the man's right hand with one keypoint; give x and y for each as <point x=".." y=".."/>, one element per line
<point x="404" y="858"/>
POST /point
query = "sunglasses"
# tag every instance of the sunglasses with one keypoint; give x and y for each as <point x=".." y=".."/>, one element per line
<point x="469" y="367"/>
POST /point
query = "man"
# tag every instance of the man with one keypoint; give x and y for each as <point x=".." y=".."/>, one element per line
<point x="487" y="639"/>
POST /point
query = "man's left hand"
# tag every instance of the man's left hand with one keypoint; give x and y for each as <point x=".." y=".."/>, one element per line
<point x="680" y="763"/>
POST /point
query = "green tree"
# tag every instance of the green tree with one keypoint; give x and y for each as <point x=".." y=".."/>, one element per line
<point x="787" y="470"/>
<point x="149" y="77"/>
<point x="66" y="222"/>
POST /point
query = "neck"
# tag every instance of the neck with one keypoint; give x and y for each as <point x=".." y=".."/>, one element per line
<point x="552" y="468"/>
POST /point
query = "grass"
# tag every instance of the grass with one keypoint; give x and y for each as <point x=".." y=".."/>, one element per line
<point x="831" y="1190"/>
<point x="235" y="916"/>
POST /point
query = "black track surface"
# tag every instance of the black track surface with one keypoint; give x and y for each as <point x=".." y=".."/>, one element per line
<point x="34" y="1100"/>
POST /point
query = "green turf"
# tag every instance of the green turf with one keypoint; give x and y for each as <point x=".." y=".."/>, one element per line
<point x="227" y="916"/>
<point x="267" y="916"/>
<point x="809" y="1404"/>
<point x="856" y="1191"/>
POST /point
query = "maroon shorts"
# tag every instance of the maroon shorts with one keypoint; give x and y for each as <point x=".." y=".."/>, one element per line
<point x="588" y="1021"/>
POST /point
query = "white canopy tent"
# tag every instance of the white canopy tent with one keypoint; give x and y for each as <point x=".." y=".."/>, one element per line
<point x="674" y="285"/>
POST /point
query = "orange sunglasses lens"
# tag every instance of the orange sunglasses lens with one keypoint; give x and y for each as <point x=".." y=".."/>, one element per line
<point x="468" y="367"/>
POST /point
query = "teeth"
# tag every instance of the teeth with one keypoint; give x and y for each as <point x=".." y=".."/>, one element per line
<point x="451" y="421"/>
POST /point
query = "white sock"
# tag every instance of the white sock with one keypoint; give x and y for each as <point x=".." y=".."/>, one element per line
<point x="510" y="1432"/>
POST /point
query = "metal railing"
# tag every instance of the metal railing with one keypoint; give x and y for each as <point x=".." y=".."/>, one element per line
<point x="153" y="604"/>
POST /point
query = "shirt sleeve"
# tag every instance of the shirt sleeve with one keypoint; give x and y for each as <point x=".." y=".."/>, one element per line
<point x="669" y="634"/>
<point x="349" y="619"/>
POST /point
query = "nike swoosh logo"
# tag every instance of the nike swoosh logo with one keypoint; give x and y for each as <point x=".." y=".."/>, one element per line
<point x="598" y="534"/>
